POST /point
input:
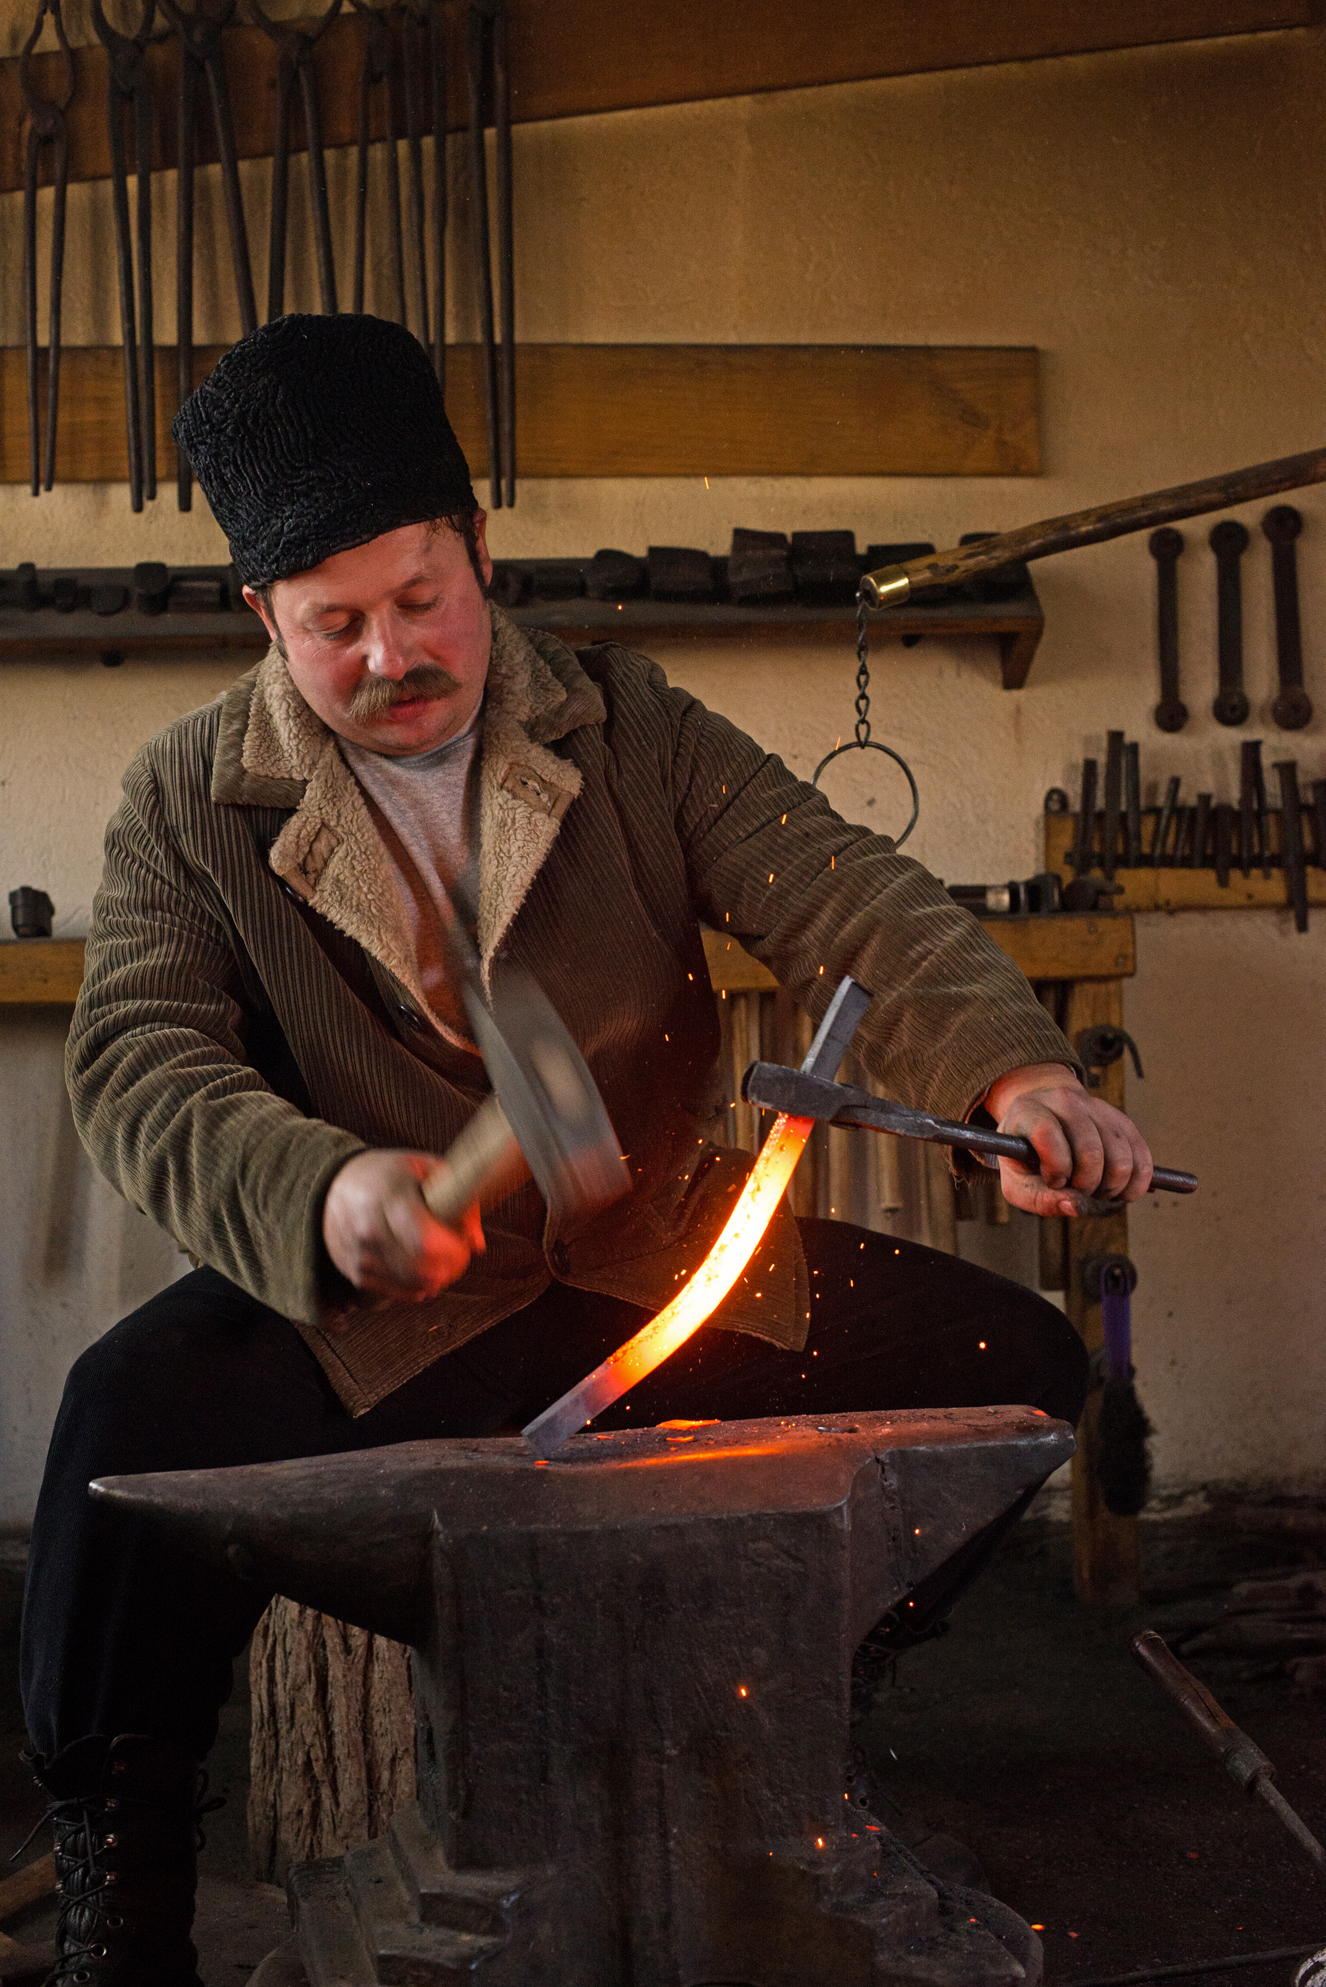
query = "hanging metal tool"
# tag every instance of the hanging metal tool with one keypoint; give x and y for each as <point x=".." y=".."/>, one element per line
<point x="488" y="81"/>
<point x="863" y="742"/>
<point x="1109" y="859"/>
<point x="377" y="71"/>
<point x="414" y="30"/>
<point x="1253" y="835"/>
<point x="1229" y="541"/>
<point x="1292" y="853"/>
<point x="423" y="35"/>
<point x="201" y="55"/>
<point x="1165" y="545"/>
<point x="128" y="89"/>
<point x="1292" y="708"/>
<point x="295" y="46"/>
<point x="46" y="127"/>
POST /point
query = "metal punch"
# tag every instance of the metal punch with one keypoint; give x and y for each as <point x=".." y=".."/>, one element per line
<point x="378" y="71"/>
<point x="295" y="46"/>
<point x="423" y="37"/>
<point x="46" y="127"/>
<point x="201" y="55"/>
<point x="128" y="88"/>
<point x="488" y="79"/>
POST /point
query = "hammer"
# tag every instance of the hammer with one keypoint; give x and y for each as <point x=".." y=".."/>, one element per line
<point x="545" y="1116"/>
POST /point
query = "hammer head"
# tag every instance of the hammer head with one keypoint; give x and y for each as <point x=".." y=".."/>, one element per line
<point x="547" y="1094"/>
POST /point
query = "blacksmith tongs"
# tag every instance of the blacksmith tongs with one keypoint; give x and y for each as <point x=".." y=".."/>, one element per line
<point x="128" y="87"/>
<point x="201" y="54"/>
<point x="775" y="1088"/>
<point x="423" y="44"/>
<point x="295" y="48"/>
<point x="46" y="126"/>
<point x="488" y="77"/>
<point x="377" y="69"/>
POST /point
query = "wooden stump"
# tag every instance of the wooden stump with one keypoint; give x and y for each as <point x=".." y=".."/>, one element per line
<point x="332" y="1747"/>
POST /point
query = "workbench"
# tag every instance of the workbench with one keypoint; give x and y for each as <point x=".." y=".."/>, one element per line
<point x="1077" y="963"/>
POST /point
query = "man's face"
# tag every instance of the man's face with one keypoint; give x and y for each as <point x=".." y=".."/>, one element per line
<point x="388" y="642"/>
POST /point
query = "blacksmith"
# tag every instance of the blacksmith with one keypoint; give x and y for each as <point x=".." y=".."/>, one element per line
<point x="267" y="1058"/>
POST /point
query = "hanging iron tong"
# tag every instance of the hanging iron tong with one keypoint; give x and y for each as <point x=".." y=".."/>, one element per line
<point x="488" y="78"/>
<point x="201" y="55"/>
<point x="46" y="127"/>
<point x="128" y="89"/>
<point x="295" y="51"/>
<point x="378" y="71"/>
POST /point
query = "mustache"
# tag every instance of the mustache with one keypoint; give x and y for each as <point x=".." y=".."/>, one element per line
<point x="379" y="693"/>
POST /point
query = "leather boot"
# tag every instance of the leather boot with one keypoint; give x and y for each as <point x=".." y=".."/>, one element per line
<point x="125" y="1813"/>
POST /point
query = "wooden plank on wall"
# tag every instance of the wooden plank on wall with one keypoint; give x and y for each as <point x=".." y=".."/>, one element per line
<point x="646" y="410"/>
<point x="596" y="55"/>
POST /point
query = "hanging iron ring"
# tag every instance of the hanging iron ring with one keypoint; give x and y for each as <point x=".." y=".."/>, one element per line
<point x="873" y="745"/>
<point x="863" y="742"/>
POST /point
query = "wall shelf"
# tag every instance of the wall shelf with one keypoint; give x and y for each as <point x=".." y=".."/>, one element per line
<point x="45" y="633"/>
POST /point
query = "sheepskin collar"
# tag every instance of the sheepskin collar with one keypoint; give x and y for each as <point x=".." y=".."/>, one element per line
<point x="274" y="752"/>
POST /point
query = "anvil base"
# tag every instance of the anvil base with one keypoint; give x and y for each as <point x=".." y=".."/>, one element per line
<point x="632" y="1671"/>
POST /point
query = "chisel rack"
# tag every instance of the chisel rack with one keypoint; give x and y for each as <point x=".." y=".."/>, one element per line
<point x="1185" y="885"/>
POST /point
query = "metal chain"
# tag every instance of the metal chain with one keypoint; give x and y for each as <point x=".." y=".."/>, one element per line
<point x="862" y="673"/>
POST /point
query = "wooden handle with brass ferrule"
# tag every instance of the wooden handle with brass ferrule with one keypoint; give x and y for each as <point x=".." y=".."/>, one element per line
<point x="484" y="1164"/>
<point x="891" y="585"/>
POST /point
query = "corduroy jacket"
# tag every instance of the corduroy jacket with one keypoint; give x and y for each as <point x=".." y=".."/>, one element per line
<point x="251" y="1014"/>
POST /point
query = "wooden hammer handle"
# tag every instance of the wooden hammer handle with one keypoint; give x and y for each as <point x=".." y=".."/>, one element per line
<point x="484" y="1164"/>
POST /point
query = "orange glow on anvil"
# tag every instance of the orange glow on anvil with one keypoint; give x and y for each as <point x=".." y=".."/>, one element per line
<point x="701" y="1297"/>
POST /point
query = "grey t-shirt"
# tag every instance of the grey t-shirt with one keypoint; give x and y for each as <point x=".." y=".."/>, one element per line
<point x="426" y="809"/>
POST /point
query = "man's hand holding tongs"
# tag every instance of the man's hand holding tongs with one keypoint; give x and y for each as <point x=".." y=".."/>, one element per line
<point x="1087" y="1147"/>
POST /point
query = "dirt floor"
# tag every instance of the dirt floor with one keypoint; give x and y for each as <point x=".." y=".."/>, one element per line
<point x="1028" y="1732"/>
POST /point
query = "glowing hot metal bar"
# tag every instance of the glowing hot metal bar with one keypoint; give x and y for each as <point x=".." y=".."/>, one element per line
<point x="694" y="1302"/>
<point x="701" y="1296"/>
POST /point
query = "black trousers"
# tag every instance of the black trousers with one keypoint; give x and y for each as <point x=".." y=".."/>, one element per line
<point x="125" y="1631"/>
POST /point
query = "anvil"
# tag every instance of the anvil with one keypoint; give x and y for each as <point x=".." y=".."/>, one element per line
<point x="632" y="1671"/>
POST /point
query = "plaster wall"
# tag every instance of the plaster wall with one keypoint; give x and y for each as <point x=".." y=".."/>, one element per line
<point x="1152" y="220"/>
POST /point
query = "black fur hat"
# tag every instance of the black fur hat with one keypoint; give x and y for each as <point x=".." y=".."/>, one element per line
<point x="314" y="434"/>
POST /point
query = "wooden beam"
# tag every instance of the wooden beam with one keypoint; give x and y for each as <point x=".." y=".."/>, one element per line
<point x="49" y="971"/>
<point x="38" y="972"/>
<point x="644" y="410"/>
<point x="596" y="55"/>
<point x="26" y="1887"/>
<point x="1065" y="947"/>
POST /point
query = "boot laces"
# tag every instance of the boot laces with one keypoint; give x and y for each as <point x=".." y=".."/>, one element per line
<point x="77" y="1822"/>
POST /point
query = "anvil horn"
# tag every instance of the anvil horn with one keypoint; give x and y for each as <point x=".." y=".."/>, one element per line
<point x="347" y="1534"/>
